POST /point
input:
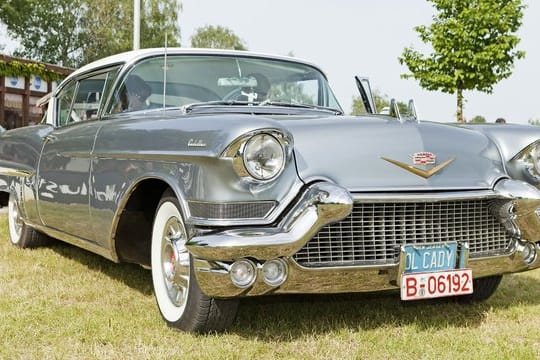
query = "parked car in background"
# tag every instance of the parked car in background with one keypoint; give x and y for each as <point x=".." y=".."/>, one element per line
<point x="233" y="174"/>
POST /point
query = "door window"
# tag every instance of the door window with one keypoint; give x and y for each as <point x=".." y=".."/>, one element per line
<point x="81" y="100"/>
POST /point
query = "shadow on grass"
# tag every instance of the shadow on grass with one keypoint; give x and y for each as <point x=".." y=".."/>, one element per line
<point x="291" y="317"/>
<point x="288" y="317"/>
<point x="134" y="276"/>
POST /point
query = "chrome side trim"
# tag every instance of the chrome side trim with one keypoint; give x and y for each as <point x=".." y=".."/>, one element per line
<point x="319" y="205"/>
<point x="15" y="170"/>
<point x="74" y="240"/>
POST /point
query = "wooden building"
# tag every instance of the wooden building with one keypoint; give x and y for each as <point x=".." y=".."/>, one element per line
<point x="22" y="83"/>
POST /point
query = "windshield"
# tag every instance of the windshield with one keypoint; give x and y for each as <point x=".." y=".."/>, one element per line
<point x="181" y="80"/>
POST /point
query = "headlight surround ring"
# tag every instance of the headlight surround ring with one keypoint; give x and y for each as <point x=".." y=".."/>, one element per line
<point x="264" y="157"/>
<point x="259" y="145"/>
<point x="529" y="161"/>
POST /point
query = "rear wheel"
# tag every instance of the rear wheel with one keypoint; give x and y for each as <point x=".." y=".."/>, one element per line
<point x="483" y="289"/>
<point x="20" y="234"/>
<point x="179" y="298"/>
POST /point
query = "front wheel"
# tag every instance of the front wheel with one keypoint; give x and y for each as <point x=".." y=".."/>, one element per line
<point x="20" y="234"/>
<point x="179" y="298"/>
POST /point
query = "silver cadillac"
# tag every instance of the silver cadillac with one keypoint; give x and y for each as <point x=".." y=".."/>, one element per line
<point x="233" y="174"/>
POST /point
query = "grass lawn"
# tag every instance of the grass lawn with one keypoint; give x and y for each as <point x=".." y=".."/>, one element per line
<point x="62" y="302"/>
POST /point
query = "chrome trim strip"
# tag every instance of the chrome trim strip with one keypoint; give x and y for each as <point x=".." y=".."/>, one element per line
<point x="74" y="240"/>
<point x="425" y="197"/>
<point x="15" y="171"/>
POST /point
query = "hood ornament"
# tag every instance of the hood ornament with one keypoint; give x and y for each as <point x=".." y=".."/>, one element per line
<point x="421" y="158"/>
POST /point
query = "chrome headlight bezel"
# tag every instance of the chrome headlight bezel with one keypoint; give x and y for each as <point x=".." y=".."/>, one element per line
<point x="239" y="151"/>
<point x="528" y="160"/>
<point x="264" y="157"/>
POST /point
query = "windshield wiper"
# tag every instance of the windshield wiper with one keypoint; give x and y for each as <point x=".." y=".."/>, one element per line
<point x="187" y="108"/>
<point x="302" y="106"/>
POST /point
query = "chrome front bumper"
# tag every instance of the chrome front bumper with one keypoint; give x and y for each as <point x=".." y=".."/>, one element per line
<point x="324" y="203"/>
<point x="214" y="280"/>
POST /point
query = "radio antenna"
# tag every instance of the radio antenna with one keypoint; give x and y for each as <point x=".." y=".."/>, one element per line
<point x="165" y="72"/>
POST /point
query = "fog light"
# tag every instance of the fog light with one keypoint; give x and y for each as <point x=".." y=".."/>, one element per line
<point x="275" y="272"/>
<point x="243" y="273"/>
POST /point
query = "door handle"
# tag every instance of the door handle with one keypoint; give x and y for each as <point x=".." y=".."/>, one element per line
<point x="50" y="138"/>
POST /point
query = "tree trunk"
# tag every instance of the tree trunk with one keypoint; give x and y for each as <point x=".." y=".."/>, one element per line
<point x="460" y="117"/>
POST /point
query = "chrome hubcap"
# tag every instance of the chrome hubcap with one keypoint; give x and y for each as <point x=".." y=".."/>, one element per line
<point x="175" y="262"/>
<point x="14" y="218"/>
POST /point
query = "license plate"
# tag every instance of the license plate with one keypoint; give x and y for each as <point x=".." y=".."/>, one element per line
<point x="430" y="257"/>
<point x="417" y="286"/>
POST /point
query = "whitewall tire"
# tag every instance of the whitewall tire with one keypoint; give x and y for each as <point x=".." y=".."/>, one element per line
<point x="20" y="234"/>
<point x="179" y="298"/>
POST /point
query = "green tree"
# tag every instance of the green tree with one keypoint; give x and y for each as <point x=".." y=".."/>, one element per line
<point x="74" y="32"/>
<point x="46" y="30"/>
<point x="217" y="37"/>
<point x="101" y="41"/>
<point x="534" y="122"/>
<point x="478" y="119"/>
<point x="381" y="101"/>
<point x="110" y="30"/>
<point x="474" y="47"/>
<point x="159" y="18"/>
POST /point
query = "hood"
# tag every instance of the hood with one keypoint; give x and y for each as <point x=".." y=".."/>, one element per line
<point x="350" y="150"/>
<point x="510" y="138"/>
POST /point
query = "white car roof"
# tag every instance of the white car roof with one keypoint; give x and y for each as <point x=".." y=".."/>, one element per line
<point x="134" y="55"/>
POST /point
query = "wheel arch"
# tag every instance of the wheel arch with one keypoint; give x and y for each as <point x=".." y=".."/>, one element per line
<point x="131" y="233"/>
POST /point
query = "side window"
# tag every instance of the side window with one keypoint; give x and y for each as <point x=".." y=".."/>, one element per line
<point x="132" y="95"/>
<point x="65" y="99"/>
<point x="81" y="100"/>
<point x="89" y="95"/>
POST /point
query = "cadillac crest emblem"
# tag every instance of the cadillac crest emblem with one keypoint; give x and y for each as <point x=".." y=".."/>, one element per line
<point x="423" y="158"/>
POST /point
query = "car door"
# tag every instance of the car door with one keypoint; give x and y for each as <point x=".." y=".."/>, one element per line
<point x="64" y="168"/>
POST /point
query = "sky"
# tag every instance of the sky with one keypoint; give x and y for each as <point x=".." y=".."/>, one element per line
<point x="366" y="37"/>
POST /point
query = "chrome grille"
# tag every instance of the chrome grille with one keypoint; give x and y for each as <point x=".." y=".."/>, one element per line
<point x="374" y="232"/>
<point x="232" y="210"/>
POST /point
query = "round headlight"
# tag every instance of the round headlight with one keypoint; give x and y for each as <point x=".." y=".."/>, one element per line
<point x="264" y="157"/>
<point x="531" y="159"/>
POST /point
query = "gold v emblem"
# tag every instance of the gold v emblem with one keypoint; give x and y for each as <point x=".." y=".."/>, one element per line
<point x="423" y="173"/>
